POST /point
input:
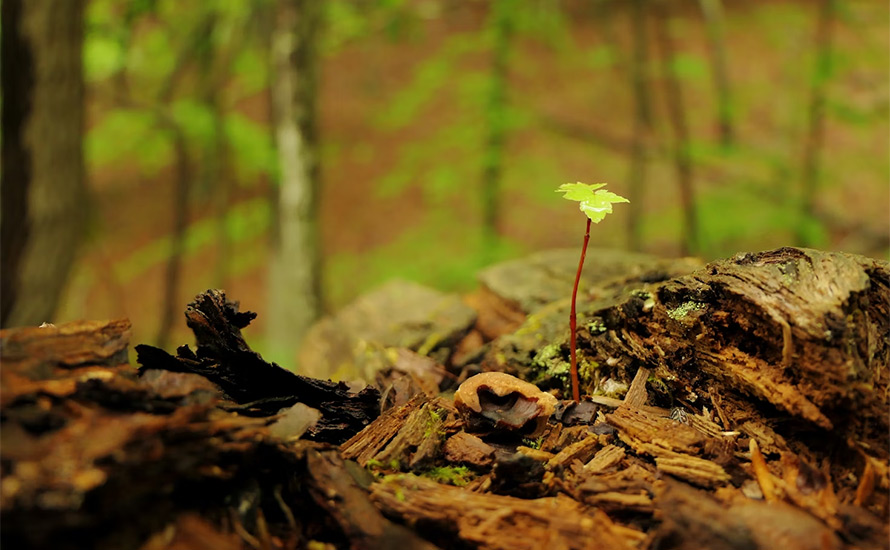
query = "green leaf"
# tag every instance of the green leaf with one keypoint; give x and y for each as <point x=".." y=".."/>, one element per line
<point x="595" y="201"/>
<point x="102" y="57"/>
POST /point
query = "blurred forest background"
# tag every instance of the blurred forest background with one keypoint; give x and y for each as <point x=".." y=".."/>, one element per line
<point x="299" y="152"/>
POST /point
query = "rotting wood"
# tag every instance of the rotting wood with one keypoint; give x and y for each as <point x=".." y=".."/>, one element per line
<point x="628" y="489"/>
<point x="258" y="387"/>
<point x="605" y="458"/>
<point x="676" y="469"/>
<point x="409" y="436"/>
<point x="334" y="489"/>
<point x="464" y="448"/>
<point x="499" y="522"/>
<point x="581" y="451"/>
<point x="695" y="470"/>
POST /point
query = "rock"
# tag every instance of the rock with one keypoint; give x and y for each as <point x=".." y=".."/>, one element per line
<point x="544" y="277"/>
<point x="542" y="284"/>
<point x="398" y="314"/>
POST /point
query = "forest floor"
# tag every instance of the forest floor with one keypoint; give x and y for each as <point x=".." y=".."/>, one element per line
<point x="740" y="404"/>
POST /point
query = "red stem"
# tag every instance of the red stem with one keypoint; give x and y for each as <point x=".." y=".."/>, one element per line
<point x="576" y="392"/>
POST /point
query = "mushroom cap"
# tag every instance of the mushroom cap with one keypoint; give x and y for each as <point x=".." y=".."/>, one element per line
<point x="503" y="401"/>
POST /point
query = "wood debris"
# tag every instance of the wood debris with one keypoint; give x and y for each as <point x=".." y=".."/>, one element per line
<point x="754" y="418"/>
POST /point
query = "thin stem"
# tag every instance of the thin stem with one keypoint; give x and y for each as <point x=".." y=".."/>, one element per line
<point x="576" y="392"/>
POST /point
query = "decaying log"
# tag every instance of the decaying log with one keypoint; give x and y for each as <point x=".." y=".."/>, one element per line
<point x="260" y="387"/>
<point x="499" y="522"/>
<point x="746" y="408"/>
<point x="802" y="330"/>
<point x="335" y="490"/>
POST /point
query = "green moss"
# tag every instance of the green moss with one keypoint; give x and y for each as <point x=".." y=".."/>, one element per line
<point x="431" y="342"/>
<point x="549" y="363"/>
<point x="596" y="326"/>
<point x="433" y="423"/>
<point x="533" y="443"/>
<point x="587" y="370"/>
<point x="685" y="309"/>
<point x="452" y="475"/>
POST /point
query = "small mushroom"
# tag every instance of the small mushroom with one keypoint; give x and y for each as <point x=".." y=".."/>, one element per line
<point x="499" y="401"/>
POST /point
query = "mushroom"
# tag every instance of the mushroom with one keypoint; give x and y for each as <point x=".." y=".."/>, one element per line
<point x="498" y="401"/>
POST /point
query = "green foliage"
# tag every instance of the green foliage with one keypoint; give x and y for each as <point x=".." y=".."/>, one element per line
<point x="595" y="202"/>
<point x="442" y="252"/>
<point x="689" y="67"/>
<point x="127" y="136"/>
<point x="196" y="119"/>
<point x="252" y="147"/>
<point x="452" y="475"/>
<point x="102" y="57"/>
<point x="246" y="221"/>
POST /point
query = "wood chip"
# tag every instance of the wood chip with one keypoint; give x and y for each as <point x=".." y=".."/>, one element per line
<point x="698" y="471"/>
<point x="495" y="522"/>
<point x="581" y="451"/>
<point x="605" y="458"/>
<point x="464" y="448"/>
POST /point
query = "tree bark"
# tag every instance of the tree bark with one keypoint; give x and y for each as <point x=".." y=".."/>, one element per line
<point x="642" y="128"/>
<point x="43" y="187"/>
<point x="712" y="10"/>
<point x="815" y="135"/>
<point x="295" y="273"/>
<point x="677" y="115"/>
<point x="182" y="190"/>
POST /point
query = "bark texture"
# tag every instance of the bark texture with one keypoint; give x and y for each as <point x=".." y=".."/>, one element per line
<point x="44" y="194"/>
<point x="747" y="410"/>
<point x="294" y="274"/>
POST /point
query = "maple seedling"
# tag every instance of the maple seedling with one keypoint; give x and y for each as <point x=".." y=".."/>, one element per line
<point x="595" y="203"/>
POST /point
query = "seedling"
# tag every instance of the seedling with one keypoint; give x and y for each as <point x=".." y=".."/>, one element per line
<point x="595" y="203"/>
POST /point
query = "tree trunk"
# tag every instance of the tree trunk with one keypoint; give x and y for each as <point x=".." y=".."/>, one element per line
<point x="677" y="115"/>
<point x="642" y="128"/>
<point x="712" y="10"/>
<point x="182" y="190"/>
<point x="807" y="225"/>
<point x="294" y="288"/>
<point x="501" y="24"/>
<point x="43" y="188"/>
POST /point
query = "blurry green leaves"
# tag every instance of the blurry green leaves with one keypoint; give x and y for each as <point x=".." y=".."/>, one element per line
<point x="195" y="119"/>
<point x="594" y="201"/>
<point x="429" y="79"/>
<point x="103" y="56"/>
<point x="250" y="71"/>
<point x="251" y="143"/>
<point x="411" y="256"/>
<point x="689" y="67"/>
<point x="244" y="221"/>
<point x="601" y="57"/>
<point x="125" y="134"/>
<point x="151" y="45"/>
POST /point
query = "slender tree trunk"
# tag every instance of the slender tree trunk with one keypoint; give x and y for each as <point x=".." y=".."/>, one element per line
<point x="173" y="273"/>
<point x="815" y="136"/>
<point x="216" y="173"/>
<point x="677" y="115"/>
<point x="714" y="25"/>
<point x="43" y="182"/>
<point x="642" y="127"/>
<point x="294" y="288"/>
<point x="496" y="114"/>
